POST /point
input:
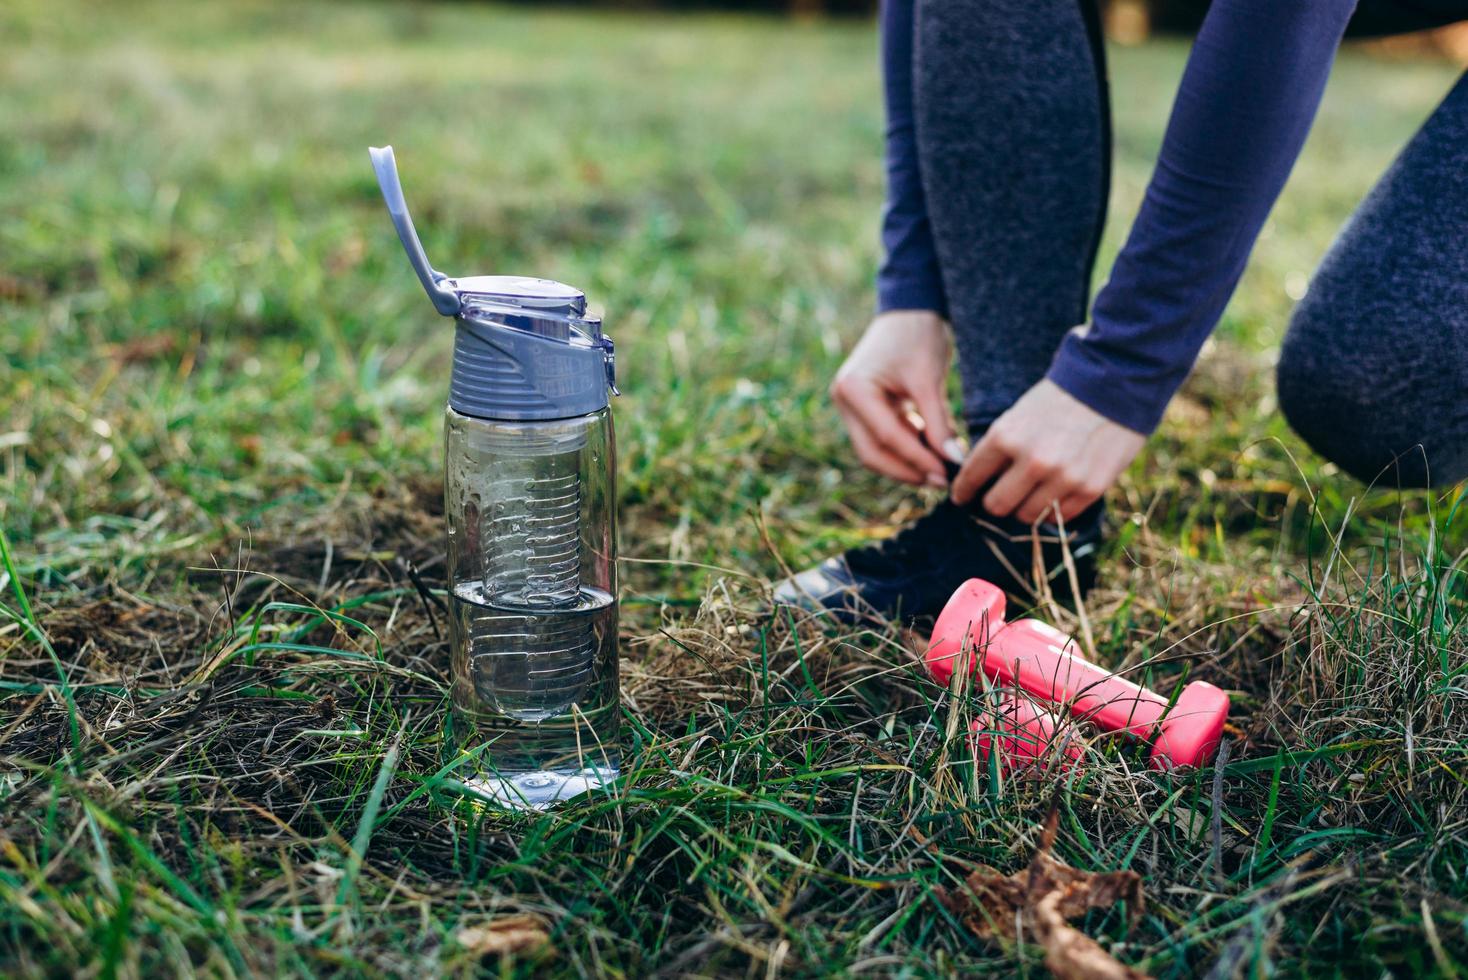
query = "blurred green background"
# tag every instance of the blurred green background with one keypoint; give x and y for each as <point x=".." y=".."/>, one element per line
<point x="208" y="316"/>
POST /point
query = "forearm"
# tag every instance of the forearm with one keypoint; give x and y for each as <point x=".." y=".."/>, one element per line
<point x="1245" y="105"/>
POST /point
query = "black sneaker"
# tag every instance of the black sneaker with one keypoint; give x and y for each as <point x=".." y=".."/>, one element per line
<point x="912" y="574"/>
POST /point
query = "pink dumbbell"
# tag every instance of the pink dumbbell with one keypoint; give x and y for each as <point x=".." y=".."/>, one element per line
<point x="1022" y="730"/>
<point x="1041" y="661"/>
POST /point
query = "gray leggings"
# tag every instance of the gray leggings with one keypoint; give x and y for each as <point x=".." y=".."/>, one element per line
<point x="1014" y="142"/>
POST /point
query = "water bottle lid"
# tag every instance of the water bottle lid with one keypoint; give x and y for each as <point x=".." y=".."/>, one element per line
<point x="525" y="348"/>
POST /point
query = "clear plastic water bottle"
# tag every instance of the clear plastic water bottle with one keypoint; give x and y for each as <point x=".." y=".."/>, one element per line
<point x="530" y="494"/>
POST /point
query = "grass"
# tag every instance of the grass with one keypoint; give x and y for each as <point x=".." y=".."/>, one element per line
<point x="224" y="689"/>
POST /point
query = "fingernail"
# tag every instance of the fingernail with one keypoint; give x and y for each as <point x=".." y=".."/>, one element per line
<point x="934" y="480"/>
<point x="953" y="449"/>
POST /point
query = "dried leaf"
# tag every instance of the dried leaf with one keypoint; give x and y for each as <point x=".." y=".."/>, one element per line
<point x="504" y="936"/>
<point x="1071" y="954"/>
<point x="1040" y="900"/>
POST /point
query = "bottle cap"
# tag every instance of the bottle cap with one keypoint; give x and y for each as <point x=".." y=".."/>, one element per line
<point x="524" y="348"/>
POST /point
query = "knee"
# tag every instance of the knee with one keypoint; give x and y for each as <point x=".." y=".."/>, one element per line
<point x="1355" y="407"/>
<point x="1322" y="411"/>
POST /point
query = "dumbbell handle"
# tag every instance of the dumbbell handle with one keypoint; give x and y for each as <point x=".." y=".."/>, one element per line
<point x="1043" y="662"/>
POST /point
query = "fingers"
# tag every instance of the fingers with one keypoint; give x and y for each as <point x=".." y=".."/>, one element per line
<point x="1047" y="451"/>
<point x="1072" y="490"/>
<point x="938" y="424"/>
<point x="986" y="461"/>
<point x="1040" y="503"/>
<point x="888" y="444"/>
<point x="871" y="452"/>
<point x="1072" y="507"/>
<point x="1023" y="477"/>
<point x="875" y="458"/>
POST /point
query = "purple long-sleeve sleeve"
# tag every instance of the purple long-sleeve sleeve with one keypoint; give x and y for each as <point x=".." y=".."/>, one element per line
<point x="1247" y="98"/>
<point x="1245" y="104"/>
<point x="909" y="278"/>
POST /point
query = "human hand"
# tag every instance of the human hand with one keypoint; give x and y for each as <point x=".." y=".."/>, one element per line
<point x="900" y="363"/>
<point x="1047" y="449"/>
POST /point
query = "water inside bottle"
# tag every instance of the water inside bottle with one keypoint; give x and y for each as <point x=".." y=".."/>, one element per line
<point x="539" y="685"/>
